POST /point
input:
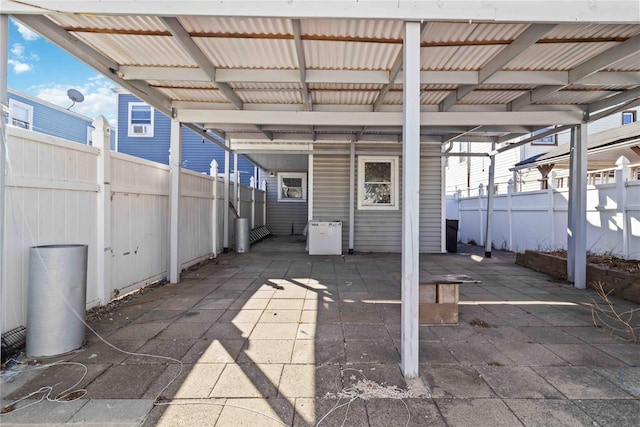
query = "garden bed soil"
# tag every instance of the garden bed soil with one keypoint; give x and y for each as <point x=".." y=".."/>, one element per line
<point x="621" y="277"/>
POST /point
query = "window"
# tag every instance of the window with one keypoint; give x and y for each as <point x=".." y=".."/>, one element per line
<point x="378" y="183"/>
<point x="464" y="148"/>
<point x="292" y="187"/>
<point x="140" y="120"/>
<point x="628" y="117"/>
<point x="20" y="114"/>
<point x="547" y="140"/>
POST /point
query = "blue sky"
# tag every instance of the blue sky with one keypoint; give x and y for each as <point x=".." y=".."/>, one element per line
<point x="39" y="68"/>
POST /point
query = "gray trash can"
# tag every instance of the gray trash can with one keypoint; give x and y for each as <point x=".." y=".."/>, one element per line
<point x="56" y="303"/>
<point x="242" y="241"/>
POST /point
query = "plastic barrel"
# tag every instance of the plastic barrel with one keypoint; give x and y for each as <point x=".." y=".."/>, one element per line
<point x="56" y="304"/>
<point x="452" y="235"/>
<point x="242" y="241"/>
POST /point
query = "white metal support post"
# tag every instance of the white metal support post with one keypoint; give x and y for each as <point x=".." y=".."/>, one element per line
<point x="571" y="208"/>
<point x="410" y="200"/>
<point x="623" y="174"/>
<point x="236" y="187"/>
<point x="225" y="207"/>
<point x="101" y="140"/>
<point x="309" y="191"/>
<point x="580" y="214"/>
<point x="175" y="160"/>
<point x="4" y="48"/>
<point x="213" y="172"/>
<point x="352" y="195"/>
<point x="490" y="192"/>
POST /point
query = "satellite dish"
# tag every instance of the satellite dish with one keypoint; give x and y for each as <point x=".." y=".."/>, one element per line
<point x="75" y="96"/>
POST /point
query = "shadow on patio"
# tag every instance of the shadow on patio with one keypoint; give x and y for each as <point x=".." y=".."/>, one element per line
<point x="271" y="337"/>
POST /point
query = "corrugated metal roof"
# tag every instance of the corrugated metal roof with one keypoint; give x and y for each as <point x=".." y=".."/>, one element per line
<point x="192" y="95"/>
<point x="182" y="84"/>
<point x="630" y="63"/>
<point x="426" y="98"/>
<point x="141" y="50"/>
<point x="350" y="86"/>
<point x="574" y="31"/>
<point x="360" y="28"/>
<point x="249" y="53"/>
<point x="452" y="32"/>
<point x="336" y="55"/>
<point x="265" y="86"/>
<point x="231" y="25"/>
<point x="125" y="22"/>
<point x="457" y="58"/>
<point x="271" y="97"/>
<point x="568" y="97"/>
<point x="344" y="97"/>
<point x="558" y="57"/>
<point x="490" y="97"/>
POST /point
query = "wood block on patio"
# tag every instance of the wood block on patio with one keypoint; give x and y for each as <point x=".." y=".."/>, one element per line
<point x="438" y="299"/>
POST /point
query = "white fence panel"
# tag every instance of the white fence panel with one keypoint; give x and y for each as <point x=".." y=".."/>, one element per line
<point x="259" y="208"/>
<point x="51" y="199"/>
<point x="246" y="203"/>
<point x="196" y="217"/>
<point x="538" y="220"/>
<point x="139" y="222"/>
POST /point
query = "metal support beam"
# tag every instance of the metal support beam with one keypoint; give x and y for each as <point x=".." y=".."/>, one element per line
<point x="4" y="49"/>
<point x="352" y="194"/>
<point x="490" y="193"/>
<point x="580" y="214"/>
<point x="310" y="190"/>
<point x="302" y="64"/>
<point x="174" y="265"/>
<point x="410" y="201"/>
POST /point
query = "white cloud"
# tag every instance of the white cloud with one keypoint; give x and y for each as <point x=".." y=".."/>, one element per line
<point x="98" y="98"/>
<point x="17" y="49"/>
<point x="26" y="33"/>
<point x="19" y="67"/>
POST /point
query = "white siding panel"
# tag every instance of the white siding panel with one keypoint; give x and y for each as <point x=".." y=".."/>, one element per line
<point x="331" y="191"/>
<point x="284" y="218"/>
<point x="431" y="215"/>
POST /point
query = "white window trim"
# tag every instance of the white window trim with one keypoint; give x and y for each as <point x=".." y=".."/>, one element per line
<point x="13" y="103"/>
<point x="395" y="183"/>
<point x="130" y="133"/>
<point x="303" y="176"/>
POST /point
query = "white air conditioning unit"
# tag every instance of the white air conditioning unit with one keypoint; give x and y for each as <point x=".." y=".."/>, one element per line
<point x="141" y="129"/>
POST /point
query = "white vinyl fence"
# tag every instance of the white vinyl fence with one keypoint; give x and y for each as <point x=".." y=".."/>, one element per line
<point x="61" y="192"/>
<point x="537" y="220"/>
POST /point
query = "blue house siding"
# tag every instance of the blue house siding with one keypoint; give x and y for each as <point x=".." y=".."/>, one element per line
<point x="53" y="120"/>
<point x="197" y="153"/>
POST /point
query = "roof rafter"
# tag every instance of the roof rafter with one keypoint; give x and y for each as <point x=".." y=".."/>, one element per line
<point x="528" y="38"/>
<point x="184" y="39"/>
<point x="582" y="71"/>
<point x="302" y="64"/>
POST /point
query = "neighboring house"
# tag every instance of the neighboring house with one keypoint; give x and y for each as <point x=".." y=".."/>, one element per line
<point x="34" y="114"/>
<point x="145" y="132"/>
<point x="465" y="174"/>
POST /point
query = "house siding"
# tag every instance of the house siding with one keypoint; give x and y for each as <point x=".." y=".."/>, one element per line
<point x="55" y="121"/>
<point x="197" y="152"/>
<point x="284" y="218"/>
<point x="377" y="231"/>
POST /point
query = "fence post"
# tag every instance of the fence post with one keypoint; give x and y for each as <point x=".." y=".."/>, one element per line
<point x="551" y="190"/>
<point x="101" y="140"/>
<point x="623" y="173"/>
<point x="213" y="172"/>
<point x="510" y="188"/>
<point x="253" y="202"/>
<point x="481" y="228"/>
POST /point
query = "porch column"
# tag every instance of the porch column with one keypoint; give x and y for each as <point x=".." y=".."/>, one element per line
<point x="175" y="161"/>
<point x="101" y="140"/>
<point x="352" y="194"/>
<point x="410" y="200"/>
<point x="4" y="48"/>
<point x="571" y="208"/>
<point x="225" y="206"/>
<point x="580" y="213"/>
<point x="490" y="192"/>
<point x="236" y="179"/>
<point x="309" y="191"/>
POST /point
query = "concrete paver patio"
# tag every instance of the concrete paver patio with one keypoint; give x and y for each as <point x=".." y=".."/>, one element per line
<point x="271" y="337"/>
